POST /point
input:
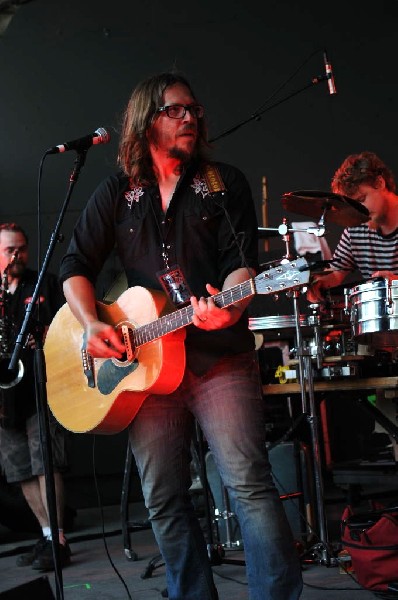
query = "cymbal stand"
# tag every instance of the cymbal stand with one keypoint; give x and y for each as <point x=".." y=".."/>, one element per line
<point x="322" y="548"/>
<point x="284" y="230"/>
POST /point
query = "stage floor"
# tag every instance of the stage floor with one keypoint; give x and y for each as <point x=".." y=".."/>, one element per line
<point x="101" y="570"/>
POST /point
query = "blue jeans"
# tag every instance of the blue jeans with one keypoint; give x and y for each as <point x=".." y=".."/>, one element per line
<point x="228" y="405"/>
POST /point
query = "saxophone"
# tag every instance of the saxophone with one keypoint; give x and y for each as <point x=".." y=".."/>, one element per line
<point x="8" y="378"/>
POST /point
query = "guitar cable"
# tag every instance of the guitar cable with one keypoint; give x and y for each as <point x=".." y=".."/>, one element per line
<point x="101" y="509"/>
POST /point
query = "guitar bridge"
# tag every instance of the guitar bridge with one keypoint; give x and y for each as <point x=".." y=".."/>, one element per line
<point x="88" y="367"/>
<point x="127" y="339"/>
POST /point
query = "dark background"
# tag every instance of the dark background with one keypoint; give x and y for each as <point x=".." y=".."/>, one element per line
<point x="68" y="67"/>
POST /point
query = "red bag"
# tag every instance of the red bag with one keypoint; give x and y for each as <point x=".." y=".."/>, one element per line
<point x="372" y="541"/>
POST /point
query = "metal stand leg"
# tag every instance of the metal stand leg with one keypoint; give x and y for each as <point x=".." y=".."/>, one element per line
<point x="215" y="549"/>
<point x="46" y="443"/>
<point x="322" y="549"/>
<point x="124" y="508"/>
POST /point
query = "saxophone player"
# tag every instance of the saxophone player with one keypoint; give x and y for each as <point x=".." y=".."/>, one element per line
<point x="20" y="448"/>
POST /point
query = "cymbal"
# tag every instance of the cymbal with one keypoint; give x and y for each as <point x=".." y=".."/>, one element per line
<point x="338" y="208"/>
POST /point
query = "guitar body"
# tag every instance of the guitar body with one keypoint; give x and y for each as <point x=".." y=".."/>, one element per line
<point x="104" y="395"/>
<point x="118" y="388"/>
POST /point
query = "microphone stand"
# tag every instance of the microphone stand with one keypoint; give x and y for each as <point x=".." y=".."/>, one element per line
<point x="40" y="379"/>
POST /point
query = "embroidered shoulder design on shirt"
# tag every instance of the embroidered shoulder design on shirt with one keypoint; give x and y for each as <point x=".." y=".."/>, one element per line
<point x="133" y="195"/>
<point x="199" y="185"/>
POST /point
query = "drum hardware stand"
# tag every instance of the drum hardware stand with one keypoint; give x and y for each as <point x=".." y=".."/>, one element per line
<point x="283" y="230"/>
<point x="322" y="549"/>
<point x="215" y="550"/>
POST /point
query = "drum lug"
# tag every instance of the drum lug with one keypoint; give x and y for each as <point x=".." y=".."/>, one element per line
<point x="389" y="301"/>
<point x="346" y="301"/>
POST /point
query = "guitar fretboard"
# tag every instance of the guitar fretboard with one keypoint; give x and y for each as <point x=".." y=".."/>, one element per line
<point x="183" y="317"/>
<point x="281" y="278"/>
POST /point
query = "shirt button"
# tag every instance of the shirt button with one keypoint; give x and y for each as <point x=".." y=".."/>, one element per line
<point x="204" y="218"/>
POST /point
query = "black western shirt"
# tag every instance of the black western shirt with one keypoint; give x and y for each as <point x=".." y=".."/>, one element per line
<point x="207" y="236"/>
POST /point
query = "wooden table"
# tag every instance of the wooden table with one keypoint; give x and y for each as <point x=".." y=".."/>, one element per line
<point x="343" y="383"/>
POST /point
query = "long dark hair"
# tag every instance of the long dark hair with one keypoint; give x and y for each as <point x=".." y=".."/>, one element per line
<point x="133" y="155"/>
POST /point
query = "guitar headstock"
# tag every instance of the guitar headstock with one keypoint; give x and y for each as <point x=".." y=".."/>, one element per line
<point x="286" y="276"/>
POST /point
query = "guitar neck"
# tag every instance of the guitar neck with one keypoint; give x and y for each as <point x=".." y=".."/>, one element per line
<point x="285" y="276"/>
<point x="183" y="316"/>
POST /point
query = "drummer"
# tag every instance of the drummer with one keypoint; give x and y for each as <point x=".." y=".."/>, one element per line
<point x="370" y="248"/>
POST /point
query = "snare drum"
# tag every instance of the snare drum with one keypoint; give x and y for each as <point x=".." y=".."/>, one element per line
<point x="373" y="310"/>
<point x="279" y="327"/>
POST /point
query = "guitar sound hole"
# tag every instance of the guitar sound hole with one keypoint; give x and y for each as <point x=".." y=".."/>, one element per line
<point x="124" y="358"/>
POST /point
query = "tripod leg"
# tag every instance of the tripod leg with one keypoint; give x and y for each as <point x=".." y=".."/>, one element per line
<point x="124" y="507"/>
<point x="214" y="549"/>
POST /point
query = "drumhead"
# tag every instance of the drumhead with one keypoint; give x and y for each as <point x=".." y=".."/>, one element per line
<point x="276" y="322"/>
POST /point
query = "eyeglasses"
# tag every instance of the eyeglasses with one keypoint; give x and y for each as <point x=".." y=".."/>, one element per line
<point x="178" y="111"/>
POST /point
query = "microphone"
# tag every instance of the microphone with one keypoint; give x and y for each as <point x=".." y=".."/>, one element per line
<point x="329" y="74"/>
<point x="100" y="136"/>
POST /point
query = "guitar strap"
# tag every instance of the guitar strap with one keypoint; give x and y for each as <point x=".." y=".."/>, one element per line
<point x="213" y="179"/>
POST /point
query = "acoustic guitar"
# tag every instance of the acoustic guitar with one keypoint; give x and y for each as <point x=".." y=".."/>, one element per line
<point x="99" y="395"/>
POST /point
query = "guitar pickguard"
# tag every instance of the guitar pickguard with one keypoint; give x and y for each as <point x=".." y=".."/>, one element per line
<point x="110" y="375"/>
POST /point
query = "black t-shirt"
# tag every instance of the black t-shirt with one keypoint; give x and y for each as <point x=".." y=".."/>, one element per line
<point x="19" y="401"/>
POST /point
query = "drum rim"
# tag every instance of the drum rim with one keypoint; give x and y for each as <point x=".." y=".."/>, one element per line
<point x="288" y="321"/>
<point x="372" y="284"/>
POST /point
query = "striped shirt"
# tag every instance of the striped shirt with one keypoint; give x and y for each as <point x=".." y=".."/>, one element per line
<point x="367" y="250"/>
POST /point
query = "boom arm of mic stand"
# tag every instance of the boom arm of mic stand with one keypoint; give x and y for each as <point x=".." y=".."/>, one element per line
<point x="257" y="115"/>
